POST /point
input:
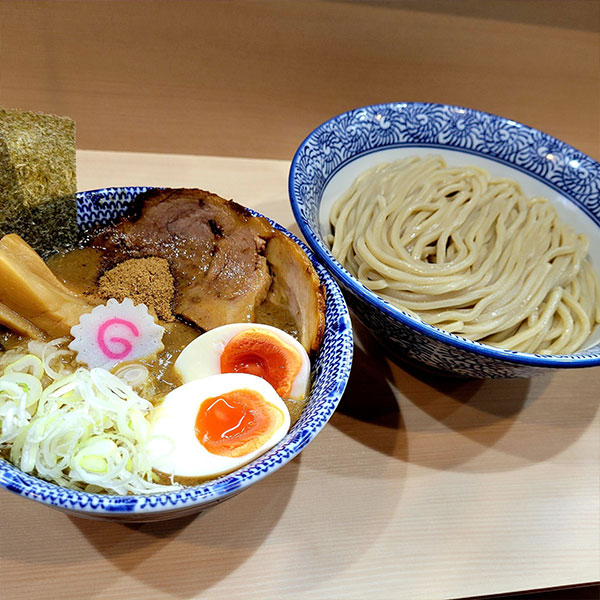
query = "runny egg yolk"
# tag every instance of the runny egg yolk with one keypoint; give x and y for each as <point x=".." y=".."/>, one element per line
<point x="263" y="354"/>
<point x="236" y="423"/>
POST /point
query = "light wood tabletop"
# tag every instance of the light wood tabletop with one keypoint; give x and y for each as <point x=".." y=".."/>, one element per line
<point x="419" y="486"/>
<point x="236" y="78"/>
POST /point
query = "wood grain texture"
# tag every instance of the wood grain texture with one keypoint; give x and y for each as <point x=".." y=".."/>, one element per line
<point x="252" y="79"/>
<point x="419" y="487"/>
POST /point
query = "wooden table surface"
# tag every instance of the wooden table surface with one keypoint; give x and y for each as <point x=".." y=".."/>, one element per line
<point x="419" y="487"/>
<point x="253" y="78"/>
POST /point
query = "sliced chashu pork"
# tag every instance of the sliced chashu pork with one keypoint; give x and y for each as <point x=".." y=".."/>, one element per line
<point x="225" y="261"/>
<point x="297" y="285"/>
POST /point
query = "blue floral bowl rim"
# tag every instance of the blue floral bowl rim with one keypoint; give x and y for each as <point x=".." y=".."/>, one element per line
<point x="540" y="360"/>
<point x="119" y="507"/>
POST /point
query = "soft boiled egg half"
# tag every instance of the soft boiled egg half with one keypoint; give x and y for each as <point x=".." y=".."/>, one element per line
<point x="212" y="426"/>
<point x="253" y="348"/>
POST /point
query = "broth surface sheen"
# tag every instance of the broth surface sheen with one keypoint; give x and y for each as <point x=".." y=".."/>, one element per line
<point x="79" y="269"/>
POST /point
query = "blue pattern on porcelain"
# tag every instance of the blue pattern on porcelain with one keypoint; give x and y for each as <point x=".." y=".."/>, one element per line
<point x="354" y="134"/>
<point x="330" y="373"/>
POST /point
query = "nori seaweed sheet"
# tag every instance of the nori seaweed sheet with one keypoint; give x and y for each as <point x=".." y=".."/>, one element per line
<point x="38" y="179"/>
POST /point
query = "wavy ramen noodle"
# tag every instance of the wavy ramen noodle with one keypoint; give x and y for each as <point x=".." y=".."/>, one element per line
<point x="469" y="254"/>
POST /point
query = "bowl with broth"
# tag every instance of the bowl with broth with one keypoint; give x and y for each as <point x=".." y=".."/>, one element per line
<point x="467" y="243"/>
<point x="227" y="387"/>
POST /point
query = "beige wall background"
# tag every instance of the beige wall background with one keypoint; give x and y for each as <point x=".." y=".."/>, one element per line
<point x="253" y="78"/>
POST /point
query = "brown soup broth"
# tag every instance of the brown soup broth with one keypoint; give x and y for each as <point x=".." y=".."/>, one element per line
<point x="80" y="269"/>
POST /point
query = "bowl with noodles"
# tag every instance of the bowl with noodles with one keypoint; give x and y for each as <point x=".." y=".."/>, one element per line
<point x="467" y="243"/>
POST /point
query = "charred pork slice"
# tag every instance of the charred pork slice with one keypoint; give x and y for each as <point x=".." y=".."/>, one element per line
<point x="217" y="252"/>
<point x="215" y="257"/>
<point x="296" y="284"/>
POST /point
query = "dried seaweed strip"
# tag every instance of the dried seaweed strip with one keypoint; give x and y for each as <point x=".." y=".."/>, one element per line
<point x="38" y="179"/>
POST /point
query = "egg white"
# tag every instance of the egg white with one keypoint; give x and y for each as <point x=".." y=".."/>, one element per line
<point x="173" y="447"/>
<point x="201" y="357"/>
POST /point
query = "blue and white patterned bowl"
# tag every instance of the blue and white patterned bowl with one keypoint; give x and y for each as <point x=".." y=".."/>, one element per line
<point x="330" y="372"/>
<point x="331" y="157"/>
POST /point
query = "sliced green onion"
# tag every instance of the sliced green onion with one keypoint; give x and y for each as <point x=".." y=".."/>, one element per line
<point x="133" y="374"/>
<point x="30" y="363"/>
<point x="85" y="430"/>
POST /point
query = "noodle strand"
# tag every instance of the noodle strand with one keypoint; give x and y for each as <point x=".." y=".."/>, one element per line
<point x="469" y="254"/>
